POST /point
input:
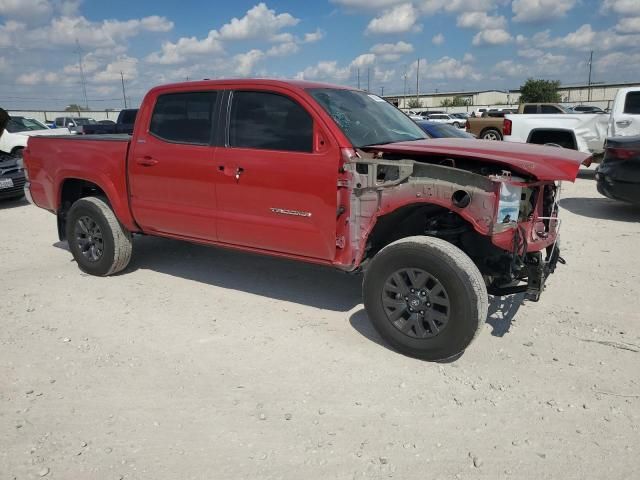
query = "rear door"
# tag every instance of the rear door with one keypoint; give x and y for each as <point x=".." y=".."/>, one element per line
<point x="172" y="172"/>
<point x="625" y="120"/>
<point x="277" y="175"/>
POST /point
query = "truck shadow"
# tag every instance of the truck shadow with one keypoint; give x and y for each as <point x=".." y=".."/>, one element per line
<point x="280" y="279"/>
<point x="502" y="313"/>
<point x="602" y="209"/>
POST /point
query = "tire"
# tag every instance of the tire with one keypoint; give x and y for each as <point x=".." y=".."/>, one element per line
<point x="456" y="124"/>
<point x="112" y="248"/>
<point x="464" y="292"/>
<point x="491" y="134"/>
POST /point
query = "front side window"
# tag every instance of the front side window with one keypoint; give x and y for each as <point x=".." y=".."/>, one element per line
<point x="184" y="117"/>
<point x="366" y="119"/>
<point x="632" y="103"/>
<point x="269" y="121"/>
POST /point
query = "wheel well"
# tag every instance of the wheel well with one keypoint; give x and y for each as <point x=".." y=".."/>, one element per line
<point x="435" y="221"/>
<point x="74" y="189"/>
<point x="564" y="138"/>
<point x="408" y="221"/>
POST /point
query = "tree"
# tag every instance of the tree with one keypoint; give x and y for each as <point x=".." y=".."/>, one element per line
<point x="540" y="91"/>
<point x="414" y="103"/>
<point x="455" y="102"/>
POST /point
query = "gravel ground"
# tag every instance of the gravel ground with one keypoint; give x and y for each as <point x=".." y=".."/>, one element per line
<point x="201" y="363"/>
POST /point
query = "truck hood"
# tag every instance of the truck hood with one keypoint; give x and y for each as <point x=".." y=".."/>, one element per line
<point x="543" y="163"/>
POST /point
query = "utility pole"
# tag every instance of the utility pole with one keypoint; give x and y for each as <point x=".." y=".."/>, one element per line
<point x="418" y="84"/>
<point x="368" y="80"/>
<point x="589" y="84"/>
<point x="405" y="85"/>
<point x="382" y="91"/>
<point x="358" y="79"/>
<point x="124" y="95"/>
<point x="82" y="79"/>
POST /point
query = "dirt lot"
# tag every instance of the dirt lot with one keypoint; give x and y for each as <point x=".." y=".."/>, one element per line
<point x="201" y="363"/>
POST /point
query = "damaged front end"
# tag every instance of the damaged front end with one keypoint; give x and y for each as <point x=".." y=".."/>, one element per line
<point x="507" y="225"/>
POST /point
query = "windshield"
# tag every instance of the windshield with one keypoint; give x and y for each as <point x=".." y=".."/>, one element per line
<point x="85" y="121"/>
<point x="366" y="119"/>
<point x="21" y="124"/>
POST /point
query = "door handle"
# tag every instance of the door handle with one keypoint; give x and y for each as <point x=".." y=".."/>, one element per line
<point x="147" y="161"/>
<point x="230" y="172"/>
<point x="623" y="123"/>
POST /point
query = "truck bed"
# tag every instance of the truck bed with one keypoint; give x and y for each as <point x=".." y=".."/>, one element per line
<point x="100" y="159"/>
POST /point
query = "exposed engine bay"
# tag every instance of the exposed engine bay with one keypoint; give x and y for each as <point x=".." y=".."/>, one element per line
<point x="502" y="221"/>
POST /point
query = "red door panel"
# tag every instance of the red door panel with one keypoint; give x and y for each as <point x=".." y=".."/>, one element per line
<point x="277" y="190"/>
<point x="172" y="171"/>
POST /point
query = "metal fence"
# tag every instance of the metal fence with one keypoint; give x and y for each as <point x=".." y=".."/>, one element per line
<point x="48" y="116"/>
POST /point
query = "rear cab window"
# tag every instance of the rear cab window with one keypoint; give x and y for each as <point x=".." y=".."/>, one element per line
<point x="530" y="109"/>
<point x="184" y="117"/>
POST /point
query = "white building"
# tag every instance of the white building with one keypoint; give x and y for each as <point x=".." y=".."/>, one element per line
<point x="600" y="94"/>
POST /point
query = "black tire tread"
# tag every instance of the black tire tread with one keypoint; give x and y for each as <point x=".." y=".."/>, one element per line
<point x="122" y="239"/>
<point x="464" y="268"/>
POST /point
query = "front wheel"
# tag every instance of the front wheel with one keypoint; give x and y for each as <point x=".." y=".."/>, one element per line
<point x="425" y="297"/>
<point x="99" y="243"/>
<point x="456" y="124"/>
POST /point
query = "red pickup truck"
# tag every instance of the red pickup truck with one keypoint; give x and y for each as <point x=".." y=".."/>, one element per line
<point x="322" y="174"/>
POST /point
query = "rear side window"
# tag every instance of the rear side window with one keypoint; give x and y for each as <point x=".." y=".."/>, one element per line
<point x="184" y="117"/>
<point x="269" y="121"/>
<point x="530" y="109"/>
<point x="632" y="103"/>
<point x="60" y="122"/>
<point x="549" y="109"/>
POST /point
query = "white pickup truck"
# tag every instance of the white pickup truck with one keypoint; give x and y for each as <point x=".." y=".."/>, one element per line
<point x="578" y="131"/>
<point x="19" y="129"/>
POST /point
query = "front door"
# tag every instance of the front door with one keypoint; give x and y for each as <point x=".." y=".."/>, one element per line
<point x="277" y="177"/>
<point x="172" y="172"/>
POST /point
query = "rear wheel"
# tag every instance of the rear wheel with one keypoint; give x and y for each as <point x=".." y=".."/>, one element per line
<point x="491" y="134"/>
<point x="99" y="243"/>
<point x="456" y="124"/>
<point x="425" y="297"/>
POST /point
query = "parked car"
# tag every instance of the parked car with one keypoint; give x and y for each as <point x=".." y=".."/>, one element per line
<point x="442" y="130"/>
<point x="542" y="108"/>
<point x="579" y="131"/>
<point x="124" y="124"/>
<point x="587" y="109"/>
<point x="12" y="177"/>
<point x="618" y="176"/>
<point x="460" y="115"/>
<point x="444" y="118"/>
<point x="106" y="122"/>
<point x="17" y="132"/>
<point x="74" y="124"/>
<point x="321" y="174"/>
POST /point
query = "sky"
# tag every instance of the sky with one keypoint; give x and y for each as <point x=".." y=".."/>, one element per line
<point x="462" y="45"/>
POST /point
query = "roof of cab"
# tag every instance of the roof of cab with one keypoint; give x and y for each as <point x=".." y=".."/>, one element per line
<point x="264" y="82"/>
